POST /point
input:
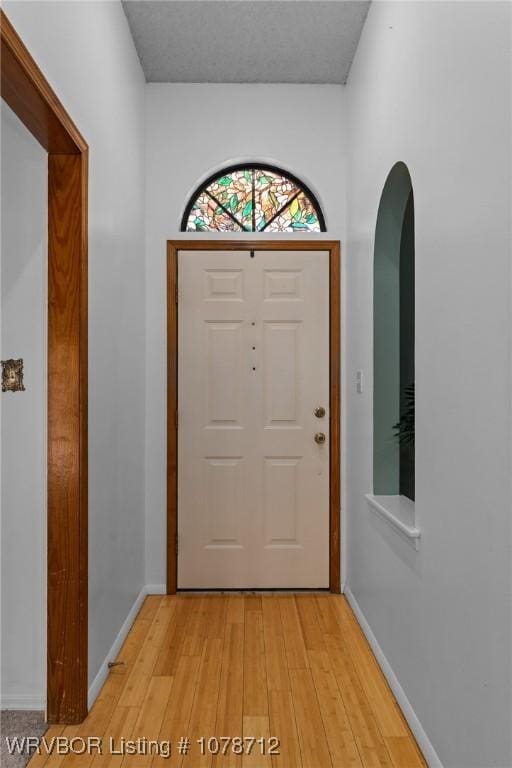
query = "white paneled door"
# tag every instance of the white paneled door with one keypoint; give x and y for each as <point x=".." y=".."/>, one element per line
<point x="253" y="378"/>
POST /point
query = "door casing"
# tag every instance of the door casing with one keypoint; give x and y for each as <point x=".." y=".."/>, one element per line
<point x="27" y="92"/>
<point x="189" y="246"/>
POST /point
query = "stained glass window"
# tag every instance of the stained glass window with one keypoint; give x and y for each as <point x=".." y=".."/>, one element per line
<point x="253" y="198"/>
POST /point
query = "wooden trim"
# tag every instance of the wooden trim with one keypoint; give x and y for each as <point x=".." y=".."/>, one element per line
<point x="335" y="418"/>
<point x="172" y="426"/>
<point x="254" y="244"/>
<point x="333" y="246"/>
<point x="30" y="96"/>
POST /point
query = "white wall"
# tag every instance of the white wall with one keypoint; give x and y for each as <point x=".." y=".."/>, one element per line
<point x="23" y="416"/>
<point x="86" y="52"/>
<point x="430" y="86"/>
<point x="192" y="131"/>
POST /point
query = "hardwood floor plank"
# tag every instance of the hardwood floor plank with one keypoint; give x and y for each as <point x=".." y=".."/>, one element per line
<point x="309" y="622"/>
<point x="150" y="719"/>
<point x="142" y="670"/>
<point x="235" y="610"/>
<point x="54" y="759"/>
<point x="283" y="727"/>
<point x="345" y="614"/>
<point x="195" y="631"/>
<point x="166" y="609"/>
<point x="330" y="621"/>
<point x="171" y="647"/>
<point x="97" y="721"/>
<point x="229" y="721"/>
<point x="385" y="709"/>
<point x="371" y="746"/>
<point x="100" y="715"/>
<point x="131" y="646"/>
<point x="340" y="739"/>
<point x="257" y="727"/>
<point x="154" y="707"/>
<point x="105" y="706"/>
<point x="292" y="632"/>
<point x="149" y="607"/>
<point x="383" y="705"/>
<point x="252" y="602"/>
<point x="176" y="719"/>
<point x="204" y="709"/>
<point x="120" y="727"/>
<point x="38" y="760"/>
<point x="216" y="609"/>
<point x="278" y="678"/>
<point x="312" y="736"/>
<point x="404" y="753"/>
<point x="255" y="672"/>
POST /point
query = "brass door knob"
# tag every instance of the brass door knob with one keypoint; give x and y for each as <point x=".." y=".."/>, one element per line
<point x="320" y="438"/>
<point x="319" y="412"/>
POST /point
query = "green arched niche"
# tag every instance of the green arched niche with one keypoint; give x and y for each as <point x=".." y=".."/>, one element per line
<point x="393" y="333"/>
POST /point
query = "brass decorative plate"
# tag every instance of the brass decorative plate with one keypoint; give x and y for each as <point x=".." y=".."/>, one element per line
<point x="12" y="376"/>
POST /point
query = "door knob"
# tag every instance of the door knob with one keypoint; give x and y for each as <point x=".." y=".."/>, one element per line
<point x="320" y="438"/>
<point x="319" y="412"/>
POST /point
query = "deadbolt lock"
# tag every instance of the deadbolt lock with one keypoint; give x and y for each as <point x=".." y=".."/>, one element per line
<point x="319" y="412"/>
<point x="320" y="438"/>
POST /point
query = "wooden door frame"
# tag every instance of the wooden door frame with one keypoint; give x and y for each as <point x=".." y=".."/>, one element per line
<point x="333" y="246"/>
<point x="27" y="92"/>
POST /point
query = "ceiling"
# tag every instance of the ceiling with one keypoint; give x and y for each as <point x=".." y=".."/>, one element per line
<point x="246" y="41"/>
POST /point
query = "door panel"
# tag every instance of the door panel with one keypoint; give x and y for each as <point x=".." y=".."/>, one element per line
<point x="253" y="363"/>
<point x="222" y="501"/>
<point x="280" y="357"/>
<point x="223" y="344"/>
<point x="280" y="501"/>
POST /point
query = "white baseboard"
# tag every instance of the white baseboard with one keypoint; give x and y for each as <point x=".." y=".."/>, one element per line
<point x="97" y="683"/>
<point x="420" y="735"/>
<point x="19" y="701"/>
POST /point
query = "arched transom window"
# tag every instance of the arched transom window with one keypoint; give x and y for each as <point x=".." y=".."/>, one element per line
<point x="253" y="198"/>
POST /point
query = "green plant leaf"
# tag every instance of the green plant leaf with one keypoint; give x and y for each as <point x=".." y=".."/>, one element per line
<point x="404" y="429"/>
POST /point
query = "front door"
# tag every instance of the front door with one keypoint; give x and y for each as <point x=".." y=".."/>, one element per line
<point x="253" y="404"/>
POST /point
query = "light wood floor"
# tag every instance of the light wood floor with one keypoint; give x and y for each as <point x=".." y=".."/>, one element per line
<point x="296" y="667"/>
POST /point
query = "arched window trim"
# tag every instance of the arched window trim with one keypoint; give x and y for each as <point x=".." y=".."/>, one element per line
<point x="393" y="347"/>
<point x="393" y="357"/>
<point x="301" y="186"/>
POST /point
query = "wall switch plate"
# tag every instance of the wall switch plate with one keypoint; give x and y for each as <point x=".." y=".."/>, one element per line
<point x="359" y="382"/>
